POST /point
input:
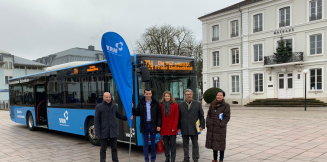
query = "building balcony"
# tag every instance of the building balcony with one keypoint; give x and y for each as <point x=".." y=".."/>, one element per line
<point x="295" y="57"/>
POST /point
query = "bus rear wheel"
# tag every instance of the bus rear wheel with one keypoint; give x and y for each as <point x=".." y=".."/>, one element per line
<point x="30" y="122"/>
<point x="91" y="133"/>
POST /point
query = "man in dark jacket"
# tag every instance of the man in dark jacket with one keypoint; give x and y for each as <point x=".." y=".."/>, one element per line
<point x="149" y="111"/>
<point x="106" y="126"/>
<point x="190" y="111"/>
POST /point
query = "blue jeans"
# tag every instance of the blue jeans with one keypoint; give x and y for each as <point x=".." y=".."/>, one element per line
<point x="149" y="131"/>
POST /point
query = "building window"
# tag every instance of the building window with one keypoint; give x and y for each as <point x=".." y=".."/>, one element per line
<point x="235" y="56"/>
<point x="215" y="58"/>
<point x="10" y="65"/>
<point x="6" y="65"/>
<point x="258" y="82"/>
<point x="281" y="81"/>
<point x="215" y="32"/>
<point x="257" y="23"/>
<point x="235" y="83"/>
<point x="258" y="53"/>
<point x="7" y="79"/>
<point x="315" y="44"/>
<point x="315" y="10"/>
<point x="316" y="79"/>
<point x="234" y="28"/>
<point x="289" y="80"/>
<point x="284" y="17"/>
<point x="215" y="81"/>
<point x="288" y="43"/>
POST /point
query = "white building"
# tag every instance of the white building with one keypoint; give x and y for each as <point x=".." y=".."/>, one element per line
<point x="14" y="66"/>
<point x="239" y="43"/>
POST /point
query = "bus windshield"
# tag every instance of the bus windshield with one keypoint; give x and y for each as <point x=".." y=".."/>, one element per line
<point x="175" y="84"/>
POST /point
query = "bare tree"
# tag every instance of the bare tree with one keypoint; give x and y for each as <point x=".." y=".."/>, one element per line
<point x="169" y="40"/>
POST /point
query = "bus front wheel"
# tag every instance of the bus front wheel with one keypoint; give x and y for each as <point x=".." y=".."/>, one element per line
<point x="30" y="122"/>
<point x="91" y="133"/>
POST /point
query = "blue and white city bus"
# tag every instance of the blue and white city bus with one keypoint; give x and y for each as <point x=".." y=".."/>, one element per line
<point x="64" y="99"/>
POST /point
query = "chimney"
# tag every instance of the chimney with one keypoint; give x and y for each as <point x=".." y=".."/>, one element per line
<point x="91" y="48"/>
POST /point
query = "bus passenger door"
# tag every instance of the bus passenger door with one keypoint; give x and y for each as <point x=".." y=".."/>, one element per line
<point x="41" y="105"/>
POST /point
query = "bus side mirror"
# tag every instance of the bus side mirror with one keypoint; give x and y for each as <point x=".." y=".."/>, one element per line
<point x="145" y="73"/>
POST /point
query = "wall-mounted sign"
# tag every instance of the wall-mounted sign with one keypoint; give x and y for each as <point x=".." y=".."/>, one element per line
<point x="284" y="30"/>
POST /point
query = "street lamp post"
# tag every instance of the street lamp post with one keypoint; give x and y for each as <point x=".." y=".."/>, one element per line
<point x="305" y="71"/>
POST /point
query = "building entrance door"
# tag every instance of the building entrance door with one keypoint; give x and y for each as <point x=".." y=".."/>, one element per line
<point x="285" y="85"/>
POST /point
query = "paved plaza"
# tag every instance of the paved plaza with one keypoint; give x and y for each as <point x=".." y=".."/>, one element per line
<point x="253" y="135"/>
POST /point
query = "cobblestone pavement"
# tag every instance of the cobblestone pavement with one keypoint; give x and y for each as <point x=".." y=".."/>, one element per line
<point x="253" y="135"/>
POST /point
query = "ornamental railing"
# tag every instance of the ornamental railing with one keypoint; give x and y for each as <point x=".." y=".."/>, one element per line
<point x="294" y="57"/>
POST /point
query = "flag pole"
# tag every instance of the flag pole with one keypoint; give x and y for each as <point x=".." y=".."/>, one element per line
<point x="130" y="144"/>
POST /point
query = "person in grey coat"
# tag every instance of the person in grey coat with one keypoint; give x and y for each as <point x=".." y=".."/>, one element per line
<point x="106" y="126"/>
<point x="190" y="111"/>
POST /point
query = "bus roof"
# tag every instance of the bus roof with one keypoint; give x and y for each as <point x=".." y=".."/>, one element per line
<point x="74" y="65"/>
<point x="44" y="72"/>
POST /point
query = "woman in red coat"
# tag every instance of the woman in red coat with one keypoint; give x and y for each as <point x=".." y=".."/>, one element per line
<point x="169" y="127"/>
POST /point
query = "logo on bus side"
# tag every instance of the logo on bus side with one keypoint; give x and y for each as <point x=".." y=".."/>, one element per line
<point x="63" y="121"/>
<point x="20" y="114"/>
<point x="129" y="134"/>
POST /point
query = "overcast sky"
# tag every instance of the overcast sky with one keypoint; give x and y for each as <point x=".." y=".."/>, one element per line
<point x="36" y="28"/>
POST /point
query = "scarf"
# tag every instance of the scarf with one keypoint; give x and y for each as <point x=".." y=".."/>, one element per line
<point x="215" y="103"/>
<point x="167" y="107"/>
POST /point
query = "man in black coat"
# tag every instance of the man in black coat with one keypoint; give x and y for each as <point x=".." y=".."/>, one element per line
<point x="106" y="126"/>
<point x="149" y="111"/>
<point x="190" y="111"/>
